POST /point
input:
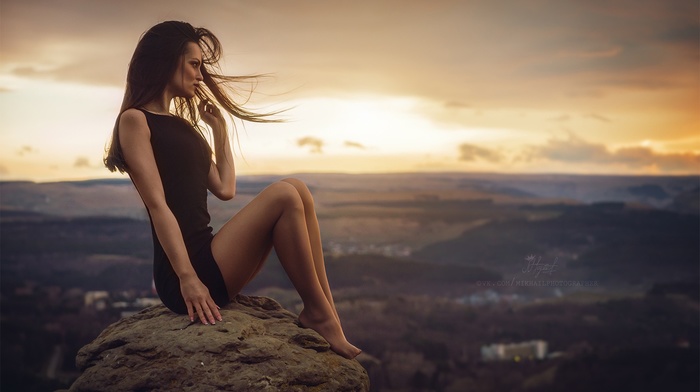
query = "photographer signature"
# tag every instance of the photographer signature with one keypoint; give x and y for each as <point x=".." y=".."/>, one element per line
<point x="534" y="266"/>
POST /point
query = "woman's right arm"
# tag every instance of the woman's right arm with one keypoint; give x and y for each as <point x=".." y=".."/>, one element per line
<point x="135" y="141"/>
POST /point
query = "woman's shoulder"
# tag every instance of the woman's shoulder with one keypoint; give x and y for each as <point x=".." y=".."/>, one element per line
<point x="133" y="114"/>
<point x="133" y="119"/>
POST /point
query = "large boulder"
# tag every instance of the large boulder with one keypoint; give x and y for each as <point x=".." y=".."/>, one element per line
<point x="258" y="346"/>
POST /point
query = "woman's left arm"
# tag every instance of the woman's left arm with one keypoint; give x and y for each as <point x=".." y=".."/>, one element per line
<point x="222" y="174"/>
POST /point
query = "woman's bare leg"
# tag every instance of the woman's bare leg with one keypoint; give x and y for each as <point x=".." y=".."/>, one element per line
<point x="314" y="237"/>
<point x="276" y="218"/>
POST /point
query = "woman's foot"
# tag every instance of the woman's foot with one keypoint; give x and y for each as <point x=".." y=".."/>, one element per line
<point x="329" y="329"/>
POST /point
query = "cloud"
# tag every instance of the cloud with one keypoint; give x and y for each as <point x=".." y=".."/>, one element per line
<point x="686" y="161"/>
<point x="4" y="171"/>
<point x="470" y="152"/>
<point x="82" y="162"/>
<point x="606" y="52"/>
<point x="572" y="149"/>
<point x="351" y="144"/>
<point x="598" y="117"/>
<point x="536" y="51"/>
<point x="619" y="58"/>
<point x="576" y="150"/>
<point x="456" y="105"/>
<point x="25" y="150"/>
<point x="315" y="144"/>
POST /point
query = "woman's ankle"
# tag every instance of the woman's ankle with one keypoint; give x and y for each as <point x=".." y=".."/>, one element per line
<point x="311" y="315"/>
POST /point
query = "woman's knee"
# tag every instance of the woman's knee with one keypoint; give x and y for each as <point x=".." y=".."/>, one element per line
<point x="284" y="194"/>
<point x="303" y="190"/>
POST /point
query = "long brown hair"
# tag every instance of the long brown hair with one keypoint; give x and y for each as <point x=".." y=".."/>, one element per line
<point x="155" y="61"/>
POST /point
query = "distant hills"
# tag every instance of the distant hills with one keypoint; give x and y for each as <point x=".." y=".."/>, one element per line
<point x="607" y="242"/>
<point x="620" y="230"/>
<point x="117" y="197"/>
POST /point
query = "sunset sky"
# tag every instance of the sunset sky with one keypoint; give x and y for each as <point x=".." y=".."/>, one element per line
<point x="531" y="86"/>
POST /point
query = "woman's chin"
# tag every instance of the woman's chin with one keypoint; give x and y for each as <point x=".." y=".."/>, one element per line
<point x="188" y="95"/>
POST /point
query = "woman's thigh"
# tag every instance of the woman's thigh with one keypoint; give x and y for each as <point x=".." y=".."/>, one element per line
<point x="243" y="242"/>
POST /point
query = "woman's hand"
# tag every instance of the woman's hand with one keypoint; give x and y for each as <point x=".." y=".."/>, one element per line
<point x="197" y="299"/>
<point x="211" y="115"/>
<point x="221" y="180"/>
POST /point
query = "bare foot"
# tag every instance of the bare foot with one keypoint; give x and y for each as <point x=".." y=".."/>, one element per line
<point x="329" y="329"/>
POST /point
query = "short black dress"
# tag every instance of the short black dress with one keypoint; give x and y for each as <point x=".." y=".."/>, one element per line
<point x="183" y="158"/>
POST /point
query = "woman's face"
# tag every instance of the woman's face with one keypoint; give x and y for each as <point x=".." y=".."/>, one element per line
<point x="186" y="79"/>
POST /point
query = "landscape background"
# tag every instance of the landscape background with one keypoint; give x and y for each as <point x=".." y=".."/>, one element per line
<point x="424" y="270"/>
<point x="428" y="264"/>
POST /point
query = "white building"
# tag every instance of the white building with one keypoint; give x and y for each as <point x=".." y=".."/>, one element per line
<point x="533" y="349"/>
<point x="96" y="299"/>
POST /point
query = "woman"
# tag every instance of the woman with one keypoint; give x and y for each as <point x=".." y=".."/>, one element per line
<point x="171" y="166"/>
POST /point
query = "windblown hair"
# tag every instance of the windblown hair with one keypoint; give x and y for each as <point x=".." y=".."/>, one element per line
<point x="155" y="61"/>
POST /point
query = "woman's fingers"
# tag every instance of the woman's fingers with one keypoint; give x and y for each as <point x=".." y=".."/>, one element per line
<point x="202" y="108"/>
<point x="209" y="112"/>
<point x="200" y="313"/>
<point x="201" y="104"/>
<point x="207" y="311"/>
<point x="208" y="314"/>
<point x="189" y="311"/>
<point x="214" y="310"/>
<point x="197" y="299"/>
<point x="207" y="107"/>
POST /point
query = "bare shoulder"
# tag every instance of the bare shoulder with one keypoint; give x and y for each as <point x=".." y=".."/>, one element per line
<point x="133" y="121"/>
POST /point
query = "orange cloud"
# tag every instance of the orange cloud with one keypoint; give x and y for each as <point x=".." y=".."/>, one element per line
<point x="536" y="51"/>
<point x="577" y="150"/>
<point x="351" y="144"/>
<point x="315" y="144"/>
<point x="25" y="150"/>
<point x="470" y="152"/>
<point x="82" y="162"/>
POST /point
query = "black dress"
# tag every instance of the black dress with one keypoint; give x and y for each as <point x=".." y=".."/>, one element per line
<point x="183" y="158"/>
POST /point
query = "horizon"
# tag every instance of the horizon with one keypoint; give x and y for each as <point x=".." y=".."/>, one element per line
<point x="380" y="87"/>
<point x="125" y="178"/>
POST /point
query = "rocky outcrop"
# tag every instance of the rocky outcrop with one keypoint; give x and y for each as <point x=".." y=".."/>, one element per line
<point x="258" y="346"/>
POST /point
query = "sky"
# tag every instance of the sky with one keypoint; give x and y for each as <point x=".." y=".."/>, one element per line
<point x="528" y="86"/>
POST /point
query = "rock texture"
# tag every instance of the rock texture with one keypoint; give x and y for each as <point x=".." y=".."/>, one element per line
<point x="257" y="347"/>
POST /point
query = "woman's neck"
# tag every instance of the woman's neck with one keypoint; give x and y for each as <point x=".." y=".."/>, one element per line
<point x="160" y="106"/>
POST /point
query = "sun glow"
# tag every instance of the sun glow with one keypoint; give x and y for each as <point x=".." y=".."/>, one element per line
<point x="387" y="133"/>
<point x="58" y="131"/>
<point x="386" y="124"/>
<point x="55" y="131"/>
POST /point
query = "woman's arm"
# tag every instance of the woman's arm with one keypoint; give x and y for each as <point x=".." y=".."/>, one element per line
<point x="135" y="140"/>
<point x="222" y="175"/>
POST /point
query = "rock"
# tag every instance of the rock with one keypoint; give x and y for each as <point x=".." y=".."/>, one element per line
<point x="258" y="346"/>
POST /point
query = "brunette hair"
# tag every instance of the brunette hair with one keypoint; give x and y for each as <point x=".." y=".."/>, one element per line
<point x="155" y="61"/>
